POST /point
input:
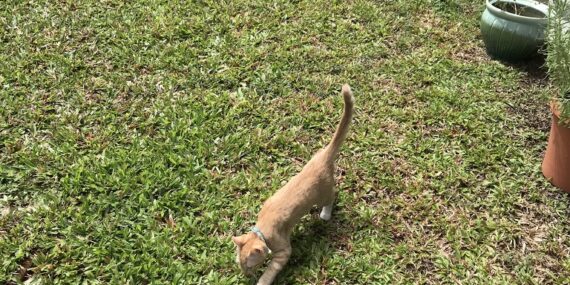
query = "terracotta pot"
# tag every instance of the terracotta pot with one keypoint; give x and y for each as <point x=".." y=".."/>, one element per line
<point x="556" y="164"/>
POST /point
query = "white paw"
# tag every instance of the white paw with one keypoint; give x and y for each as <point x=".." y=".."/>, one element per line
<point x="326" y="213"/>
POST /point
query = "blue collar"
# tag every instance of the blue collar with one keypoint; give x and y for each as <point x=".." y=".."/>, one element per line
<point x="258" y="233"/>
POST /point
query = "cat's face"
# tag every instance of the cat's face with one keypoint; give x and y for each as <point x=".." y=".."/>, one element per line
<point x="251" y="252"/>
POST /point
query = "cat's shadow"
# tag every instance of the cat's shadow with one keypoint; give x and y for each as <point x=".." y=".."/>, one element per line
<point x="312" y="241"/>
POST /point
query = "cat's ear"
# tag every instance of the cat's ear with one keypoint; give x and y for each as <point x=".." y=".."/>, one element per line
<point x="261" y="250"/>
<point x="239" y="241"/>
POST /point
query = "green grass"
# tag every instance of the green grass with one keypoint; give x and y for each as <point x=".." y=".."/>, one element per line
<point x="136" y="137"/>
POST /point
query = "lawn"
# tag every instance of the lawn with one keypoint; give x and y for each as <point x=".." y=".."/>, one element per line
<point x="136" y="137"/>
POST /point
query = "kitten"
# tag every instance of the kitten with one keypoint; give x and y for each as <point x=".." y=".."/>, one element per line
<point x="279" y="214"/>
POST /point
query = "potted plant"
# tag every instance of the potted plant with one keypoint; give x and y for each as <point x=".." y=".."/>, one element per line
<point x="556" y="163"/>
<point x="513" y="29"/>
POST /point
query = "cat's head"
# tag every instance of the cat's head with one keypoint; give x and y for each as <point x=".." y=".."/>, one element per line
<point x="251" y="252"/>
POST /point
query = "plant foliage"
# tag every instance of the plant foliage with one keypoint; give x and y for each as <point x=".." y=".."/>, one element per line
<point x="558" y="58"/>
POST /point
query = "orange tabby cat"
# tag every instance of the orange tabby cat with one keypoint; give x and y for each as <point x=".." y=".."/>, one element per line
<point x="279" y="214"/>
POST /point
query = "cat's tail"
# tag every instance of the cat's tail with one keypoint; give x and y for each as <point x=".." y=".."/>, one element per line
<point x="333" y="147"/>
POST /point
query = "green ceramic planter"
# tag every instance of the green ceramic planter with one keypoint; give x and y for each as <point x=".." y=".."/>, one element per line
<point x="515" y="31"/>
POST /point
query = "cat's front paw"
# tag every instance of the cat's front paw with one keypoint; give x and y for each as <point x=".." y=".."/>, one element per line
<point x="265" y="280"/>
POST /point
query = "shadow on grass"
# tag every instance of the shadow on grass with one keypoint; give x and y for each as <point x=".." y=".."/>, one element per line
<point x="312" y="241"/>
<point x="534" y="68"/>
<point x="531" y="104"/>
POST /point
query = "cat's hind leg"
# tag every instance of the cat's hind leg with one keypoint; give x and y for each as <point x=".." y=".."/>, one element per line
<point x="326" y="212"/>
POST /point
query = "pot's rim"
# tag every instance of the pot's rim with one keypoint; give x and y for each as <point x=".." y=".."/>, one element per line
<point x="542" y="8"/>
